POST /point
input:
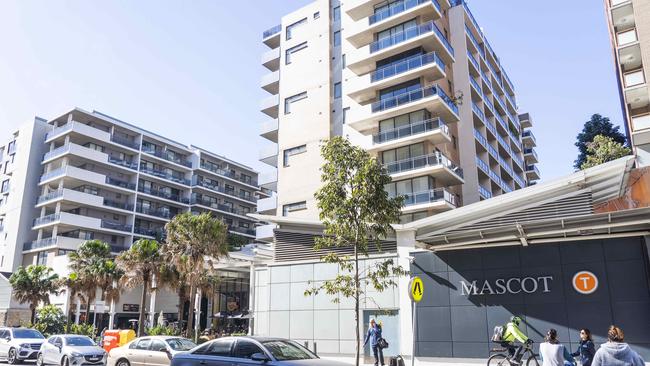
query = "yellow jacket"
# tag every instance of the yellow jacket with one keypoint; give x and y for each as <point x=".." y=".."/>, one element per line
<point x="513" y="333"/>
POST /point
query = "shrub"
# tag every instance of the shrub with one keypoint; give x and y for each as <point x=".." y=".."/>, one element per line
<point x="162" y="330"/>
<point x="83" y="329"/>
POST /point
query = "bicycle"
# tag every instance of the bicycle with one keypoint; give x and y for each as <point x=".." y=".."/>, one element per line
<point x="503" y="358"/>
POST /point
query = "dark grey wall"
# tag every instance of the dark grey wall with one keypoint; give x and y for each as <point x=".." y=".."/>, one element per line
<point x="455" y="325"/>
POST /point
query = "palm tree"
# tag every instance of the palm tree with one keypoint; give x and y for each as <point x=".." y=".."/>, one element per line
<point x="170" y="278"/>
<point x="33" y="285"/>
<point x="194" y="243"/>
<point x="141" y="263"/>
<point x="74" y="286"/>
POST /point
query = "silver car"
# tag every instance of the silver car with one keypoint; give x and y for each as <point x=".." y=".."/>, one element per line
<point x="71" y="350"/>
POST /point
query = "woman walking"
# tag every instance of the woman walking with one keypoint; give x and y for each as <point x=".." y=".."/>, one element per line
<point x="616" y="352"/>
<point x="586" y="348"/>
<point x="553" y="353"/>
<point x="374" y="335"/>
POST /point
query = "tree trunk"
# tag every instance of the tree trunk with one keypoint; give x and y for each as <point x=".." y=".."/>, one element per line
<point x="190" y="313"/>
<point x="143" y="299"/>
<point x="90" y="299"/>
<point x="181" y="308"/>
<point x="32" y="307"/>
<point x="356" y="303"/>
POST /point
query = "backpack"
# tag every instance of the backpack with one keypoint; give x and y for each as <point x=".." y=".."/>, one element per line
<point x="497" y="334"/>
<point x="382" y="343"/>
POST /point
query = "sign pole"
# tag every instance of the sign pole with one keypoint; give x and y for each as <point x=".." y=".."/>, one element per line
<point x="416" y="291"/>
<point x="415" y="315"/>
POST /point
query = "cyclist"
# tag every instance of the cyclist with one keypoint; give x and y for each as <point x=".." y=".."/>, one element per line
<point x="512" y="334"/>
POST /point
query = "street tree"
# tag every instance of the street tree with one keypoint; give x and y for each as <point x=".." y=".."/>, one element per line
<point x="34" y="285"/>
<point x="603" y="149"/>
<point x="357" y="214"/>
<point x="141" y="264"/>
<point x="194" y="244"/>
<point x="597" y="125"/>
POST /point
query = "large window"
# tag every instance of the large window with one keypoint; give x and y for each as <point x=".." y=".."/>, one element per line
<point x="291" y="28"/>
<point x="396" y="90"/>
<point x="294" y="98"/>
<point x="292" y="50"/>
<point x="293" y="151"/>
<point x="402" y="153"/>
<point x="403" y="120"/>
<point x="41" y="258"/>
<point x="409" y="186"/>
<point x="291" y="207"/>
<point x="397" y="32"/>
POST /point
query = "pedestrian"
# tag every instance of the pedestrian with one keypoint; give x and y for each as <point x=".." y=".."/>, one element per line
<point x="586" y="348"/>
<point x="615" y="352"/>
<point x="374" y="335"/>
<point x="553" y="353"/>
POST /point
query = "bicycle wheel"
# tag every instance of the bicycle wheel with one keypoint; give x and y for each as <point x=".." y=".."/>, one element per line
<point x="498" y="359"/>
<point x="532" y="361"/>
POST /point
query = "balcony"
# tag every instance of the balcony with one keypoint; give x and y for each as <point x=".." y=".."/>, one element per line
<point x="269" y="180"/>
<point x="270" y="106"/>
<point x="634" y="78"/>
<point x="198" y="200"/>
<point x="432" y="98"/>
<point x="429" y="66"/>
<point x="219" y="189"/>
<point x="74" y="220"/>
<point x="83" y="198"/>
<point x="362" y="31"/>
<point x="164" y="175"/>
<point x="168" y="156"/>
<point x="89" y="154"/>
<point x="641" y="129"/>
<point x="532" y="173"/>
<point x="444" y="170"/>
<point x="230" y="175"/>
<point x="82" y="129"/>
<point x="61" y="242"/>
<point x="426" y="35"/>
<point x="45" y="220"/>
<point x="525" y="120"/>
<point x="160" y="212"/>
<point x="271" y="36"/>
<point x="528" y="139"/>
<point x="519" y="180"/>
<point x="269" y="155"/>
<point x="271" y="82"/>
<point x="269" y="130"/>
<point x="120" y="183"/>
<point x="530" y="155"/>
<point x="267" y="206"/>
<point x="483" y="166"/>
<point x="433" y="130"/>
<point x="155" y="233"/>
<point x="123" y="163"/>
<point x="438" y="200"/>
<point x="125" y="142"/>
<point x="163" y="194"/>
<point x="271" y="59"/>
<point x="484" y="192"/>
<point x="519" y="162"/>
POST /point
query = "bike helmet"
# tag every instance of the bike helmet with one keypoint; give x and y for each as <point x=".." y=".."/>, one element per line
<point x="515" y="319"/>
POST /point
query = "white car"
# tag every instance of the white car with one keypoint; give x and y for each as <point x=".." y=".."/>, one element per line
<point x="149" y="351"/>
<point x="71" y="350"/>
<point x="19" y="344"/>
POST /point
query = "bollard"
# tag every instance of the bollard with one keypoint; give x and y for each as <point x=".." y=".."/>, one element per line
<point x="315" y="349"/>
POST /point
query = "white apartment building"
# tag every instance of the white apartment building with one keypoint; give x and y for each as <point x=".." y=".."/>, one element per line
<point x="415" y="82"/>
<point x="86" y="175"/>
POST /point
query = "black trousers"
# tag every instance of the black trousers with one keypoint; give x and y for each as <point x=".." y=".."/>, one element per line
<point x="515" y="350"/>
<point x="379" y="355"/>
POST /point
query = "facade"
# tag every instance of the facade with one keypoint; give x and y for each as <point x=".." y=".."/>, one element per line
<point x="629" y="29"/>
<point x="416" y="83"/>
<point x="85" y="175"/>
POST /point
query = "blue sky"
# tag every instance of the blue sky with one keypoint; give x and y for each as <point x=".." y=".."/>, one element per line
<point x="191" y="70"/>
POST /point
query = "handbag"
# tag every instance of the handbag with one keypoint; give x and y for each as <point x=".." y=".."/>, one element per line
<point x="382" y="343"/>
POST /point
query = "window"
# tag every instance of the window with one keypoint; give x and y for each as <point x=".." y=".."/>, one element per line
<point x="454" y="140"/>
<point x="219" y="347"/>
<point x="343" y="63"/>
<point x="292" y="50"/>
<point x="41" y="258"/>
<point x="402" y="153"/>
<point x="158" y="346"/>
<point x="392" y="128"/>
<point x="407" y="87"/>
<point x="245" y="178"/>
<point x="143" y="344"/>
<point x="336" y="13"/>
<point x="337" y="90"/>
<point x="337" y="38"/>
<point x="292" y="27"/>
<point x="5" y="186"/>
<point x="288" y="101"/>
<point x="317" y="15"/>
<point x="293" y="151"/>
<point x="95" y="147"/>
<point x="291" y="207"/>
<point x="396" y="32"/>
<point x="244" y="224"/>
<point x="245" y="349"/>
<point x="345" y="114"/>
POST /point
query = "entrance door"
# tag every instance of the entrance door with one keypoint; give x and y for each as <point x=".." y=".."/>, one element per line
<point x="389" y="321"/>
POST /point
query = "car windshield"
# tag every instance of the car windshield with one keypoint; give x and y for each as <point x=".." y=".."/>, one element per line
<point x="180" y="344"/>
<point x="79" y="341"/>
<point x="27" y="333"/>
<point x="288" y="350"/>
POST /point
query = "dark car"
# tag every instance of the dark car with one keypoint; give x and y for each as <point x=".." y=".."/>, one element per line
<point x="245" y="351"/>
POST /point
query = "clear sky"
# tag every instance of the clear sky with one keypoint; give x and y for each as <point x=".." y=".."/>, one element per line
<point x="190" y="70"/>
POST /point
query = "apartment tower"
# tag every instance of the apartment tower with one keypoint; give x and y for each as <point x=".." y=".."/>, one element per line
<point x="629" y="29"/>
<point x="414" y="82"/>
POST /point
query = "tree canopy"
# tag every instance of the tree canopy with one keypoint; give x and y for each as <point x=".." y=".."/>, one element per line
<point x="597" y="125"/>
<point x="34" y="285"/>
<point x="603" y="149"/>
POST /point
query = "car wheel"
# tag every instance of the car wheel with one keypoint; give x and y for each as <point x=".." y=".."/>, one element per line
<point x="122" y="362"/>
<point x="11" y="357"/>
<point x="39" y="360"/>
<point x="65" y="361"/>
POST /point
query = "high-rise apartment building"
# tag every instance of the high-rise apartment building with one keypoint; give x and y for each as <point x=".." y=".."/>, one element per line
<point x="85" y="175"/>
<point x="414" y="82"/>
<point x="629" y="28"/>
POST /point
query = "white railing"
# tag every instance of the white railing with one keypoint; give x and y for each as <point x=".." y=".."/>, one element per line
<point x="634" y="78"/>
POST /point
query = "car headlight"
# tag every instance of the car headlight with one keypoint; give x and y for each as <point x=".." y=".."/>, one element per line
<point x="24" y="345"/>
<point x="76" y="354"/>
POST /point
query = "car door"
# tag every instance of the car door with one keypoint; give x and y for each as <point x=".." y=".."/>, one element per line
<point x="55" y="352"/>
<point x="158" y="354"/>
<point x="244" y="349"/>
<point x="4" y="343"/>
<point x="47" y="349"/>
<point x="137" y="351"/>
<point x="215" y="353"/>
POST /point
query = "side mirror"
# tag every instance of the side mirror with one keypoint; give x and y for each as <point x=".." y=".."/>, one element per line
<point x="259" y="357"/>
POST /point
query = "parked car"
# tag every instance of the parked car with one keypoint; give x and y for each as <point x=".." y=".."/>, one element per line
<point x="153" y="350"/>
<point x="70" y="350"/>
<point x="244" y="351"/>
<point x="19" y="344"/>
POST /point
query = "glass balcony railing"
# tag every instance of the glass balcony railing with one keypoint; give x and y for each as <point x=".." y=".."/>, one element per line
<point x="410" y="33"/>
<point x="116" y="226"/>
<point x="474" y="41"/>
<point x="473" y="61"/>
<point x="218" y="206"/>
<point x="54" y="173"/>
<point x="124" y="163"/>
<point x="271" y="31"/>
<point x="242" y="230"/>
<point x="116" y="204"/>
<point x="519" y="161"/>
<point x="495" y="177"/>
<point x="504" y="143"/>
<point x="480" y="138"/>
<point x="521" y="182"/>
<point x="429" y="196"/>
<point x="531" y="152"/>
<point x="212" y="187"/>
<point x="56" y="152"/>
<point x="475" y="85"/>
<point x="488" y="104"/>
<point x="46" y="219"/>
<point x="484" y="192"/>
<point x="164" y="175"/>
<point x="469" y="13"/>
<point x="158" y="212"/>
<point x="478" y="111"/>
<point x="399" y="7"/>
<point x="510" y="99"/>
<point x="125" y="142"/>
<point x="410" y="130"/>
<point x="422" y="161"/>
<point x="529" y="134"/>
<point x="50" y="196"/>
<point x="482" y="165"/>
<point x="413" y="96"/>
<point x="407" y="64"/>
<point x="244" y="179"/>
<point x="163" y="194"/>
<point x="506" y="166"/>
<point x="514" y="140"/>
<point x="120" y="183"/>
<point x="166" y="155"/>
<point x="43" y="243"/>
<point x="493" y="151"/>
<point x="59" y="130"/>
<point x="532" y="168"/>
<point x="501" y="121"/>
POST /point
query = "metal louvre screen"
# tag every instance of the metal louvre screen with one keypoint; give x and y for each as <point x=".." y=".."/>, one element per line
<point x="292" y="246"/>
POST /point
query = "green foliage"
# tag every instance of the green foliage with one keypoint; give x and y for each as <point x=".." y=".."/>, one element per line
<point x="34" y="285"/>
<point x="603" y="149"/>
<point x="162" y="330"/>
<point x="83" y="329"/>
<point x="597" y="125"/>
<point x="356" y="212"/>
<point x="235" y="242"/>
<point x="51" y="320"/>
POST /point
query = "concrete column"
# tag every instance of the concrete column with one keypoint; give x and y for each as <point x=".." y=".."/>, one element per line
<point x="405" y="245"/>
<point x="55" y="231"/>
<point x="77" y="311"/>
<point x="152" y="303"/>
<point x="70" y="117"/>
<point x="251" y="300"/>
<point x="111" y="315"/>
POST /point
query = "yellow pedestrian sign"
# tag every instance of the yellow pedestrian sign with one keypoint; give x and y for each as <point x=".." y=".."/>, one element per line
<point x="416" y="289"/>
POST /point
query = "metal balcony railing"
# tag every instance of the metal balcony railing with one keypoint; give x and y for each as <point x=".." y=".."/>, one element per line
<point x="482" y="165"/>
<point x="116" y="226"/>
<point x="116" y="204"/>
<point x="158" y="212"/>
<point x="212" y="187"/>
<point x="422" y="161"/>
<point x="164" y="175"/>
<point x="120" y="183"/>
<point x="413" y="96"/>
<point x="163" y="194"/>
<point x="124" y="163"/>
<point x="125" y="142"/>
<point x="484" y="192"/>
<point x="410" y="130"/>
<point x="272" y="31"/>
<point x="166" y="155"/>
<point x="229" y="174"/>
